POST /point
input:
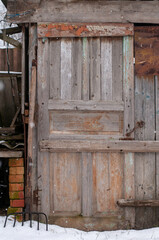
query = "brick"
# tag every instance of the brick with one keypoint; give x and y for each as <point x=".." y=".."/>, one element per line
<point x="16" y="170"/>
<point x="16" y="187"/>
<point x="16" y="195"/>
<point x="12" y="210"/>
<point x="17" y="203"/>
<point x="16" y="178"/>
<point x="16" y="162"/>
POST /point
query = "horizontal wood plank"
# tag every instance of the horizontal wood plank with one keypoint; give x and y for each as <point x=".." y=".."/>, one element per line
<point x="84" y="11"/>
<point x="54" y="30"/>
<point x="96" y="122"/>
<point x="11" y="154"/>
<point x="85" y="105"/>
<point x="137" y="203"/>
<point x="56" y="145"/>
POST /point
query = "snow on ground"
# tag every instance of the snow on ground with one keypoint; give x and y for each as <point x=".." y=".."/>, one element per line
<point x="59" y="233"/>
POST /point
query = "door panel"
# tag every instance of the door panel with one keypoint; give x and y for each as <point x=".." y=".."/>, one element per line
<point x="85" y="88"/>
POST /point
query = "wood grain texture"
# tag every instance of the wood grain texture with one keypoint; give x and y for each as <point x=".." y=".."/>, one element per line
<point x="66" y="48"/>
<point x="86" y="122"/>
<point x="128" y="88"/>
<point x="76" y="68"/>
<point x="138" y="203"/>
<point x="65" y="188"/>
<point x="117" y="69"/>
<point x="43" y="123"/>
<point x="106" y="69"/>
<point x="98" y="145"/>
<point x="11" y="154"/>
<point x="87" y="185"/>
<point x="55" y="30"/>
<point x="91" y="105"/>
<point x="145" y="163"/>
<point x="107" y="183"/>
<point x="79" y="11"/>
<point x="95" y="63"/>
<point x="55" y="69"/>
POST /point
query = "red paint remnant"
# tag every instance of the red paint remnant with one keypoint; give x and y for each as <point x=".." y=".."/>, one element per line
<point x="84" y="29"/>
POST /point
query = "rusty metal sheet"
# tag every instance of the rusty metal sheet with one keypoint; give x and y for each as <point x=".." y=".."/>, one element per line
<point x="146" y="50"/>
<point x="53" y="30"/>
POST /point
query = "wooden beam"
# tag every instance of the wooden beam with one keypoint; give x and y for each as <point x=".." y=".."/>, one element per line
<point x="56" y="145"/>
<point x="85" y="105"/>
<point x="84" y="11"/>
<point x="10" y="40"/>
<point x="14" y="137"/>
<point x="11" y="154"/>
<point x="54" y="30"/>
<point x="12" y="30"/>
<point x="7" y="130"/>
<point x="137" y="203"/>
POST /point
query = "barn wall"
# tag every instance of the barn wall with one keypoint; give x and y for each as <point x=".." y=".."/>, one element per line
<point x="14" y="57"/>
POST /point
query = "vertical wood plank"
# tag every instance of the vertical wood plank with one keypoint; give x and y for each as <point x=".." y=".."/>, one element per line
<point x="157" y="138"/>
<point x="106" y="69"/>
<point x="32" y="132"/>
<point x="23" y="71"/>
<point x="128" y="83"/>
<point x="87" y="181"/>
<point x="128" y="87"/>
<point x="145" y="162"/>
<point x="43" y="123"/>
<point x="66" y="183"/>
<point x="76" y="69"/>
<point x="117" y="68"/>
<point x="95" y="69"/>
<point x="66" y="49"/>
<point x="15" y="92"/>
<point x="85" y="69"/>
<point x="55" y="68"/>
<point x="107" y="183"/>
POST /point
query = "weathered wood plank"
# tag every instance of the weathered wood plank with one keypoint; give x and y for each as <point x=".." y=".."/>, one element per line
<point x="4" y="130"/>
<point x="128" y="84"/>
<point x="157" y="138"/>
<point x="137" y="203"/>
<point x="79" y="11"/>
<point x="66" y="49"/>
<point x="85" y="69"/>
<point x="76" y="69"/>
<point x="117" y="69"/>
<point x="66" y="183"/>
<point x="107" y="183"/>
<point x="95" y="61"/>
<point x="23" y="71"/>
<point x="87" y="185"/>
<point x="128" y="92"/>
<point x="81" y="105"/>
<point x="55" y="68"/>
<point x="54" y="30"/>
<point x="106" y="69"/>
<point x="11" y="154"/>
<point x="86" y="122"/>
<point x="54" y="145"/>
<point x="32" y="102"/>
<point x="145" y="163"/>
<point x="43" y="123"/>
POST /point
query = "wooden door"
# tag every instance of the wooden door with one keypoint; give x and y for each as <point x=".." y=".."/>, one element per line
<point x="85" y="96"/>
